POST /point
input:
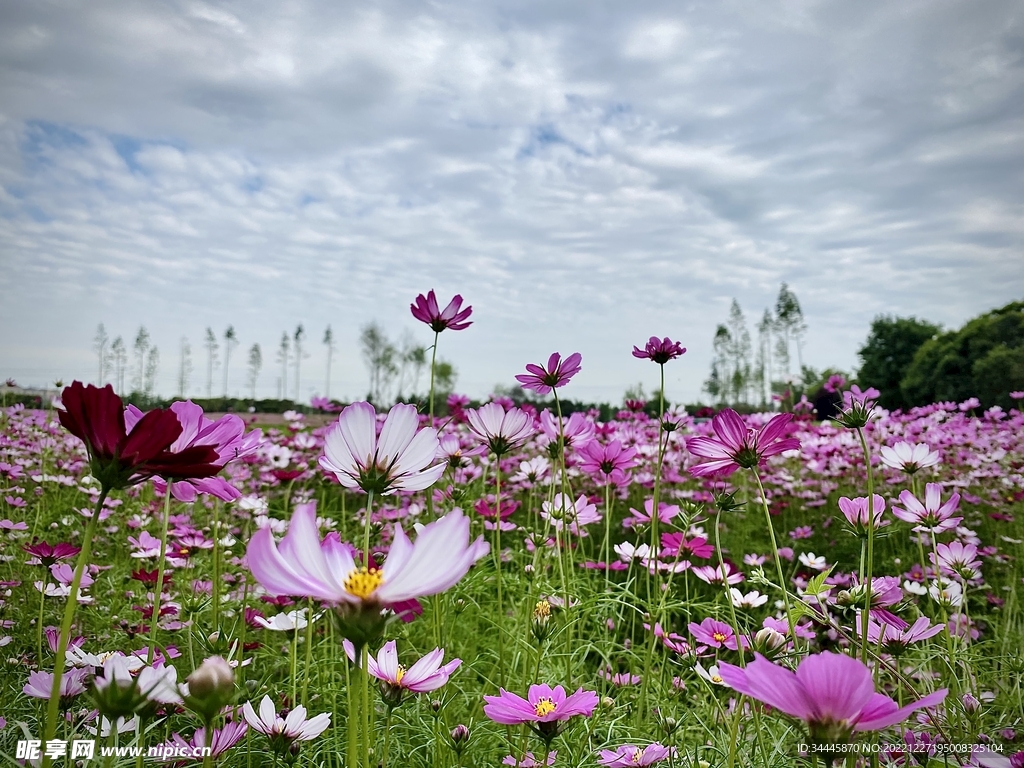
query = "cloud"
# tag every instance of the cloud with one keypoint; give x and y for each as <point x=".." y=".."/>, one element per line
<point x="585" y="176"/>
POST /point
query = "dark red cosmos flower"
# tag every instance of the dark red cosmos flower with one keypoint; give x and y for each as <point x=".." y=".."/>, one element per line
<point x="49" y="554"/>
<point x="426" y="310"/>
<point x="119" y="458"/>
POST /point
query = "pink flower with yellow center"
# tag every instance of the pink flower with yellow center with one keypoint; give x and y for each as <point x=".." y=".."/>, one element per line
<point x="543" y="708"/>
<point x="303" y="565"/>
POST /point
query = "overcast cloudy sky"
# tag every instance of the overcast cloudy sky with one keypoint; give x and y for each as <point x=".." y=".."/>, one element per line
<point x="585" y="174"/>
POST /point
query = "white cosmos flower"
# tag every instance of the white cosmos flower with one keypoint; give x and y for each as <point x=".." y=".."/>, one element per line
<point x="909" y="457"/>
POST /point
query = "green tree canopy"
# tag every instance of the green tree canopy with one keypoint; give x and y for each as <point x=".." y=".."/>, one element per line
<point x="887" y="354"/>
<point x="984" y="359"/>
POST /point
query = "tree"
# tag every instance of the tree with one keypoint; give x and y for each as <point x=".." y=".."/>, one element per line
<point x="380" y="356"/>
<point x="283" y="356"/>
<point x="184" y="367"/>
<point x="100" y="345"/>
<point x="789" y="325"/>
<point x="211" y="358"/>
<point x="887" y="354"/>
<point x="719" y="382"/>
<point x="152" y="370"/>
<point x="141" y="347"/>
<point x="255" y="363"/>
<point x="765" y="330"/>
<point x="300" y="337"/>
<point x="739" y="352"/>
<point x="230" y="342"/>
<point x="445" y="376"/>
<point x="984" y="359"/>
<point x="119" y="357"/>
<point x="329" y="343"/>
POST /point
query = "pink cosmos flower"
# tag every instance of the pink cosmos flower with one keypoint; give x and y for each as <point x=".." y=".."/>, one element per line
<point x="896" y="641"/>
<point x="563" y="511"/>
<point x="72" y="683"/>
<point x="427" y="674"/>
<point x="677" y="545"/>
<point x="957" y="558"/>
<point x="529" y="761"/>
<point x="543" y="709"/>
<point x="933" y="515"/>
<point x="659" y="351"/>
<point x="832" y="693"/>
<point x="909" y="457"/>
<point x="717" y="575"/>
<point x="397" y="460"/>
<point x="857" y="515"/>
<point x="303" y="565"/>
<point x="223" y="739"/>
<point x="666" y="512"/>
<point x="735" y="445"/>
<point x="227" y="436"/>
<point x="716" y="634"/>
<point x="454" y="317"/>
<point x="607" y="464"/>
<point x="295" y="727"/>
<point x="501" y="430"/>
<point x="629" y="755"/>
<point x="577" y="430"/>
<point x="557" y="373"/>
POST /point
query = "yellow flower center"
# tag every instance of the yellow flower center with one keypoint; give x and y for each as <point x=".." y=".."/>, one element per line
<point x="544" y="706"/>
<point x="363" y="582"/>
<point x="639" y="754"/>
<point x="400" y="675"/>
<point x="542" y="610"/>
<point x="719" y="637"/>
<point x="716" y="678"/>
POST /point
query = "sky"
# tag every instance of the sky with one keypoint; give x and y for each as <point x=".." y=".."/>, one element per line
<point x="585" y="174"/>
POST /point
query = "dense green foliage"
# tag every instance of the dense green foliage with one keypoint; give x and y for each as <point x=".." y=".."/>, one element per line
<point x="984" y="359"/>
<point x="888" y="353"/>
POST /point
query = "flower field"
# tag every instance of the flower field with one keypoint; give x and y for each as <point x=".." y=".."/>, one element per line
<point x="505" y="585"/>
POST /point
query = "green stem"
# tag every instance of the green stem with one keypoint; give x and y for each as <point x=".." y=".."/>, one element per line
<point x="159" y="576"/>
<point x="387" y="739"/>
<point x="295" y="653"/>
<point x="208" y="739"/>
<point x="607" y="534"/>
<point x="866" y="575"/>
<point x="216" y="565"/>
<point x="365" y="679"/>
<point x="53" y="705"/>
<point x="366" y="531"/>
<point x="778" y="560"/>
<point x="497" y="571"/>
<point x="309" y="650"/>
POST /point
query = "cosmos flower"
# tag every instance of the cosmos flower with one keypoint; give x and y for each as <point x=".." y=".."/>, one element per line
<point x="832" y="693"/>
<point x="427" y="674"/>
<point x="607" y="464"/>
<point x="896" y="641"/>
<point x="119" y="456"/>
<point x="398" y="460"/>
<point x="49" y="554"/>
<point x="857" y="515"/>
<point x="556" y="374"/>
<point x="562" y="512"/>
<point x="734" y="445"/>
<point x="453" y="317"/>
<point x="933" y="515"/>
<point x="659" y="351"/>
<point x="716" y="634"/>
<point x="501" y="430"/>
<point x="227" y="436"/>
<point x="303" y="565"/>
<point x="295" y="727"/>
<point x="909" y="457"/>
<point x="629" y="755"/>
<point x="72" y="683"/>
<point x="543" y="708"/>
<point x="223" y="739"/>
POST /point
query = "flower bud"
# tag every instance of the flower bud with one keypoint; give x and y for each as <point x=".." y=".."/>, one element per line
<point x="971" y="703"/>
<point x="436" y="705"/>
<point x="210" y="687"/>
<point x="460" y="736"/>
<point x="768" y="640"/>
<point x="541" y="621"/>
<point x="669" y="725"/>
<point x="607" y="702"/>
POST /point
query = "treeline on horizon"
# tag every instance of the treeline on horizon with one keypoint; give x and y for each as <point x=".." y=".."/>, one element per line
<point x="912" y="362"/>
